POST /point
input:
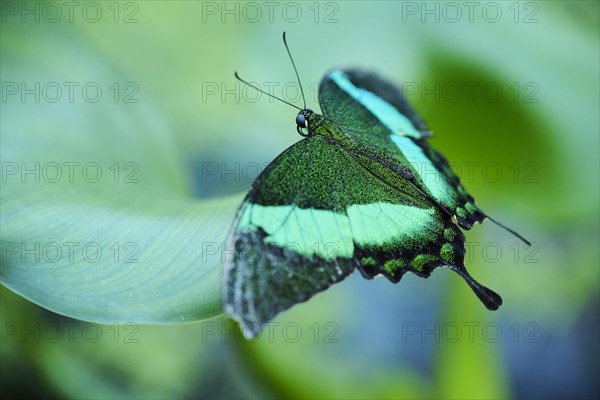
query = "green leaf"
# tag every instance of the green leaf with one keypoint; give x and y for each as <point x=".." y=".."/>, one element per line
<point x="103" y="261"/>
<point x="97" y="218"/>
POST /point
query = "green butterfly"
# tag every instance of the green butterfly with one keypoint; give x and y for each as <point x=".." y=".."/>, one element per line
<point x="362" y="190"/>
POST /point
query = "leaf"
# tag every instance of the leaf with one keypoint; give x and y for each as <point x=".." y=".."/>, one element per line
<point x="106" y="262"/>
<point x="97" y="218"/>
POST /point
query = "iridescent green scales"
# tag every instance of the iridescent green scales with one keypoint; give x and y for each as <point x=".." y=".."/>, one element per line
<point x="400" y="137"/>
<point x="362" y="191"/>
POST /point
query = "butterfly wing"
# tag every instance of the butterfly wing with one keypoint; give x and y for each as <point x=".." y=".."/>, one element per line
<point x="315" y="214"/>
<point x="378" y="117"/>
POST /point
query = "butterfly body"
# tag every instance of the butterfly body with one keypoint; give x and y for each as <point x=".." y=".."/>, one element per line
<point x="363" y="190"/>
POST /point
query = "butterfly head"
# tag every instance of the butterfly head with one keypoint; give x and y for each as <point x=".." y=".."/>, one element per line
<point x="302" y="121"/>
<point x="305" y="115"/>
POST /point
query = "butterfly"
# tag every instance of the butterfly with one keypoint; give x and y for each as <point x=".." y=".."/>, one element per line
<point x="362" y="190"/>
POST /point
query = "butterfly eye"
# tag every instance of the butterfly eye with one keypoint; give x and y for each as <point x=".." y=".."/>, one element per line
<point x="301" y="121"/>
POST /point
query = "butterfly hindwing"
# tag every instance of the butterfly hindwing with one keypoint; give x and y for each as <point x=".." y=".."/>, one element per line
<point x="315" y="214"/>
<point x="380" y="121"/>
<point x="285" y="250"/>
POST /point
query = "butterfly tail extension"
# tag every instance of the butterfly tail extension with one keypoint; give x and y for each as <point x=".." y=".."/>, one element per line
<point x="488" y="297"/>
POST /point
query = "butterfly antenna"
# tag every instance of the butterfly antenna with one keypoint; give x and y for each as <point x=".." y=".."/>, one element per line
<point x="295" y="69"/>
<point x="262" y="91"/>
<point x="509" y="230"/>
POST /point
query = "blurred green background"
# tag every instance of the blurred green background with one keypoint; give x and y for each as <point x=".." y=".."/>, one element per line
<point x="144" y="91"/>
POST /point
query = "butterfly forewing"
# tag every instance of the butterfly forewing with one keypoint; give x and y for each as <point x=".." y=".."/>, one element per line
<point x="382" y="125"/>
